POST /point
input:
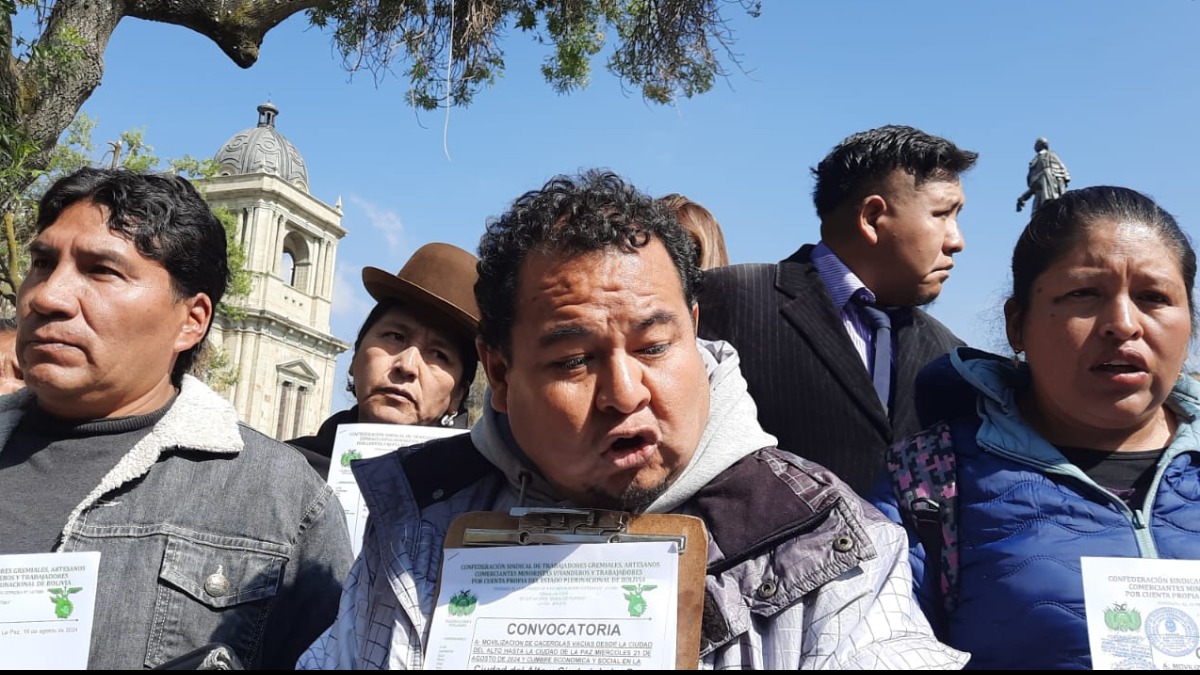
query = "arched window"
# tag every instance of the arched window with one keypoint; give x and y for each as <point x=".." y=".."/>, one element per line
<point x="287" y="268"/>
<point x="295" y="265"/>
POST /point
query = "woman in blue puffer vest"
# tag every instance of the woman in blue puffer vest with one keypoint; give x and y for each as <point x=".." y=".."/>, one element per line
<point x="1088" y="445"/>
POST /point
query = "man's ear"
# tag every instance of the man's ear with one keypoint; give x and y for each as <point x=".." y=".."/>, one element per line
<point x="495" y="365"/>
<point x="1012" y="324"/>
<point x="198" y="313"/>
<point x="870" y="211"/>
<point x="696" y="320"/>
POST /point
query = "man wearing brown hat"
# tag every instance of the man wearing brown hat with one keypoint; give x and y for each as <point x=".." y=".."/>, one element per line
<point x="414" y="357"/>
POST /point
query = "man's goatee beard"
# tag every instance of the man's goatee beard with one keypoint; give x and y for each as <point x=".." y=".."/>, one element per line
<point x="634" y="498"/>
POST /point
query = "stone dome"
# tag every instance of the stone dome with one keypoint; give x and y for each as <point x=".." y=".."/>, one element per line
<point x="262" y="149"/>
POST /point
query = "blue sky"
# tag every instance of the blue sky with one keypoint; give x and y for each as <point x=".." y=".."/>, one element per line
<point x="1115" y="86"/>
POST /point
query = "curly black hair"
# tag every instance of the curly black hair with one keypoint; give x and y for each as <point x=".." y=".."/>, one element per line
<point x="571" y="215"/>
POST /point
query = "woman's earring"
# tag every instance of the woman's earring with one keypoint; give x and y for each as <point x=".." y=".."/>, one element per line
<point x="1016" y="358"/>
<point x="448" y="419"/>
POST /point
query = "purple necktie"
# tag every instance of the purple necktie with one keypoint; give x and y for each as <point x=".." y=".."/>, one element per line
<point x="881" y="373"/>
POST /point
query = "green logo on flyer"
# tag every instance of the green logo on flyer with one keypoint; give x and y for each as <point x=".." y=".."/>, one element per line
<point x="62" y="604"/>
<point x="463" y="603"/>
<point x="637" y="604"/>
<point x="1120" y="619"/>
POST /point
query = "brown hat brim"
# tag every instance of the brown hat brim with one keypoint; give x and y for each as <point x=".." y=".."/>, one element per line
<point x="384" y="286"/>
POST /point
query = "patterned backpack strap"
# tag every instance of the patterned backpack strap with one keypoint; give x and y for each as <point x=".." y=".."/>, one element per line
<point x="923" y="475"/>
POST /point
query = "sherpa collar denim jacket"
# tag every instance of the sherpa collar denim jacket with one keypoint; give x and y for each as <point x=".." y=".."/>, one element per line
<point x="208" y="531"/>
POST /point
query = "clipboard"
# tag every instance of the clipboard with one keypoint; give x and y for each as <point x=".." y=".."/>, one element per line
<point x="533" y="526"/>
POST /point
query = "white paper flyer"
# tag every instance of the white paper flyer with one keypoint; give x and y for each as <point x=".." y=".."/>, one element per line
<point x="359" y="441"/>
<point x="47" y="601"/>
<point x="557" y="607"/>
<point x="1142" y="613"/>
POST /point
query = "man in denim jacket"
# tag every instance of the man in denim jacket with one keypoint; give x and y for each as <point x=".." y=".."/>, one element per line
<point x="207" y="531"/>
<point x="601" y="396"/>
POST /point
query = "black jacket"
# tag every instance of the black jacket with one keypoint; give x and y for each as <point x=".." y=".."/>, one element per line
<point x="812" y="390"/>
<point x="318" y="449"/>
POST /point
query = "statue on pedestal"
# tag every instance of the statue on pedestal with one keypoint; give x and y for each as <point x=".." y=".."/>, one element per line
<point x="1047" y="178"/>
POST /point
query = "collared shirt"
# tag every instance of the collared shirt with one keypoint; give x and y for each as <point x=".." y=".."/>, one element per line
<point x="843" y="285"/>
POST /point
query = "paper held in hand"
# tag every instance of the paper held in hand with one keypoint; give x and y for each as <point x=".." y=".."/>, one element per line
<point x="1142" y="613"/>
<point x="362" y="441"/>
<point x="47" y="601"/>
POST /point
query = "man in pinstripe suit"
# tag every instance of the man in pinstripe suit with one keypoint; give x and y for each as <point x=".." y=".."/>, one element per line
<point x="888" y="200"/>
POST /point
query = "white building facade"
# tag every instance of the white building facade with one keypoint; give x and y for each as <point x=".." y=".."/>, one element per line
<point x="281" y="347"/>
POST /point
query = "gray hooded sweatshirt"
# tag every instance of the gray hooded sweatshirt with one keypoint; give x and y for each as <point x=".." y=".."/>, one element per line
<point x="801" y="572"/>
<point x="732" y="433"/>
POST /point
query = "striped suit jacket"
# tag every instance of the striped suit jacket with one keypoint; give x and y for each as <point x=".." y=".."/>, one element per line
<point x="812" y="390"/>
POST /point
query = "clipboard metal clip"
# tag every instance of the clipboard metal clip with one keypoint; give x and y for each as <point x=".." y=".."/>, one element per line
<point x="566" y="526"/>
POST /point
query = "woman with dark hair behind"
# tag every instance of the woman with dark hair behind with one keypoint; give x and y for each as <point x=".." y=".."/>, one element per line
<point x="705" y="231"/>
<point x="414" y="358"/>
<point x="1088" y="445"/>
